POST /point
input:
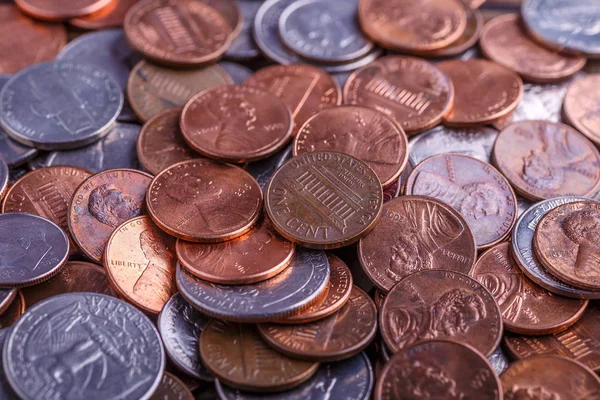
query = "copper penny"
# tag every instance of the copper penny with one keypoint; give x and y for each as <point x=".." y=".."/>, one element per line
<point x="484" y="91"/>
<point x="306" y="90"/>
<point x="411" y="91"/>
<point x="172" y="388"/>
<point x="505" y="41"/>
<point x="324" y="200"/>
<point x="467" y="40"/>
<point x="472" y="187"/>
<point x="581" y="107"/>
<point x="102" y="203"/>
<point x="204" y="201"/>
<point x="177" y="32"/>
<point x="438" y="369"/>
<point x="13" y="312"/>
<point x="160" y="143"/>
<point x="543" y="160"/>
<point x="360" y="132"/>
<point x="58" y="10"/>
<point x="438" y="304"/>
<point x="416" y="233"/>
<point x="111" y="16"/>
<point x="526" y="307"/>
<point x="237" y="355"/>
<point x="230" y="10"/>
<point x="7" y="296"/>
<point x="236" y="123"/>
<point x="253" y="257"/>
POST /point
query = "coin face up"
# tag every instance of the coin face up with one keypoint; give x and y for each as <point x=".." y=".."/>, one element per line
<point x="582" y="104"/>
<point x="57" y="10"/>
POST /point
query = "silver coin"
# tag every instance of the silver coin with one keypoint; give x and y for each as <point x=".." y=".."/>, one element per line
<point x="16" y="173"/>
<point x="298" y="285"/>
<point x="4" y="174"/>
<point x="341" y="77"/>
<point x="180" y="326"/>
<point x="523" y="205"/>
<point x="263" y="170"/>
<point x="115" y="150"/>
<point x="499" y="360"/>
<point x="238" y="72"/>
<point x="6" y="391"/>
<point x="59" y="105"/>
<point x="84" y="346"/>
<point x="243" y="46"/>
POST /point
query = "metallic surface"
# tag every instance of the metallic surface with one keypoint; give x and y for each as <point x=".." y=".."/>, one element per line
<point x="582" y="106"/>
<point x="238" y="72"/>
<point x="57" y="10"/>
<point x="466" y="41"/>
<point x="263" y="170"/>
<point x="243" y="47"/>
<point x="111" y="16"/>
<point x="172" y="388"/>
<point x="14" y="311"/>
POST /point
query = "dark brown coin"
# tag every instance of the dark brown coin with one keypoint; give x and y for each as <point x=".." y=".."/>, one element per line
<point x="102" y="203"/>
<point x="13" y="312"/>
<point x="58" y="10"/>
<point x="543" y="160"/>
<point x="526" y="307"/>
<point x="416" y="233"/>
<point x="204" y="201"/>
<point x="411" y="91"/>
<point x="237" y="355"/>
<point x="172" y="388"/>
<point x="438" y="369"/>
<point x="253" y="257"/>
<point x="483" y="92"/>
<point x="581" y="107"/>
<point x="438" y="304"/>
<point x="467" y="40"/>
<point x="111" y="16"/>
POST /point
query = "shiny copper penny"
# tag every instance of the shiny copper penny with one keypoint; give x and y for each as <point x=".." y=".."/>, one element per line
<point x="483" y="91"/>
<point x="543" y="160"/>
<point x="172" y="388"/>
<point x="232" y="13"/>
<point x="253" y="257"/>
<point x="13" y="312"/>
<point x="236" y="123"/>
<point x="237" y="355"/>
<point x="526" y="307"/>
<point x="102" y="203"/>
<point x="204" y="201"/>
<point x="416" y="233"/>
<point x="360" y="132"/>
<point x="438" y="304"/>
<point x="58" y="10"/>
<point x="438" y="369"/>
<point x="473" y="188"/>
<point x="411" y="91"/>
<point x="111" y="16"/>
<point x="467" y="40"/>
<point x="324" y="200"/>
<point x="306" y="90"/>
<point x="581" y="107"/>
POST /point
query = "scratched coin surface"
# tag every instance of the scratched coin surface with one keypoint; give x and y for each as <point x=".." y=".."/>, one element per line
<point x="52" y="10"/>
<point x="172" y="388"/>
<point x="97" y="334"/>
<point x="324" y="200"/>
<point x="581" y="106"/>
<point x="111" y="16"/>
<point x="294" y="289"/>
<point x="416" y="233"/>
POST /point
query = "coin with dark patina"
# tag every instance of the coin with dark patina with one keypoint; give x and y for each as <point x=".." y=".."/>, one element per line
<point x="467" y="39"/>
<point x="56" y="10"/>
<point x="102" y="203"/>
<point x="581" y="107"/>
<point x="111" y="16"/>
<point x="13" y="312"/>
<point x="172" y="388"/>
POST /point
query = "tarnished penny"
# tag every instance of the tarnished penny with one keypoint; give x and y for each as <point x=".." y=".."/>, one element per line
<point x="416" y="233"/>
<point x="324" y="200"/>
<point x="438" y="304"/>
<point x="111" y="16"/>
<point x="102" y="203"/>
<point x="172" y="388"/>
<point x="472" y="187"/>
<point x="505" y="41"/>
<point x="236" y="123"/>
<point x="466" y="41"/>
<point x="483" y="91"/>
<point x="411" y="91"/>
<point x="237" y="355"/>
<point x="204" y="201"/>
<point x="543" y="160"/>
<point x="360" y="132"/>
<point x="13" y="312"/>
<point x="526" y="308"/>
<point x="253" y="257"/>
<point x="581" y="107"/>
<point x="56" y="10"/>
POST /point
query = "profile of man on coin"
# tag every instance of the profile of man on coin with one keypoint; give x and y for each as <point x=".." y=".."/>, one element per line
<point x="111" y="206"/>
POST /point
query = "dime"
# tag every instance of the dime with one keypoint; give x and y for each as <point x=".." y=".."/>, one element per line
<point x="543" y="160"/>
<point x="416" y="233"/>
<point x="238" y="72"/>
<point x="58" y="10"/>
<point x="263" y="170"/>
<point x="102" y="203"/>
<point x="237" y="355"/>
<point x="324" y="200"/>
<point x="582" y="106"/>
<point x="13" y="312"/>
<point x="243" y="47"/>
<point x="293" y="290"/>
<point x="111" y="16"/>
<point x="467" y="40"/>
<point x="172" y="388"/>
<point x="437" y="304"/>
<point x="204" y="201"/>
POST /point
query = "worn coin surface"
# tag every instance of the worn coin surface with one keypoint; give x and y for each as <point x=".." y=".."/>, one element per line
<point x="466" y="41"/>
<point x="581" y="106"/>
<point x="111" y="16"/>
<point x="243" y="47"/>
<point x="53" y="10"/>
<point x="172" y="388"/>
<point x="13" y="312"/>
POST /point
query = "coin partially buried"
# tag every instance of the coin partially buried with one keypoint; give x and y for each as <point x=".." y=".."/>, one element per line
<point x="13" y="312"/>
<point x="171" y="387"/>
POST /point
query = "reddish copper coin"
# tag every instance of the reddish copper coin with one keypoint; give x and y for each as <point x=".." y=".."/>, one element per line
<point x="416" y="233"/>
<point x="231" y="12"/>
<point x="543" y="160"/>
<point x="172" y="388"/>
<point x="204" y="201"/>
<point x="13" y="312"/>
<point x="102" y="203"/>
<point x="236" y="123"/>
<point x="111" y="16"/>
<point x="581" y="107"/>
<point x="473" y="188"/>
<point x="253" y="257"/>
<point x="58" y="10"/>
<point x="526" y="307"/>
<point x="467" y="40"/>
<point x="483" y="92"/>
<point x="411" y="91"/>
<point x="438" y="369"/>
<point x="360" y="132"/>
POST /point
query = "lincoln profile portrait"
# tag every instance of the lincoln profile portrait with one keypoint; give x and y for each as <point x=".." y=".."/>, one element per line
<point x="158" y="276"/>
<point x="426" y="380"/>
<point x="583" y="228"/>
<point x="111" y="206"/>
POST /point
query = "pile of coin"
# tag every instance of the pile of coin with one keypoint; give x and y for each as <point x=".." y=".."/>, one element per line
<point x="299" y="199"/>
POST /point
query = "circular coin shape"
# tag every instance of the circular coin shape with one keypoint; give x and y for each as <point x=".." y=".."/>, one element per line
<point x="13" y="153"/>
<point x="324" y="200"/>
<point x="13" y="312"/>
<point x="466" y="41"/>
<point x="6" y="298"/>
<point x="94" y="331"/>
<point x="416" y="233"/>
<point x="172" y="388"/>
<point x="6" y="391"/>
<point x="543" y="160"/>
<point x="55" y="10"/>
<point x="243" y="47"/>
<point x="360" y="132"/>
<point x="204" y="201"/>
<point x="236" y="123"/>
<point x="582" y="105"/>
<point x="436" y="304"/>
<point x="111" y="16"/>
